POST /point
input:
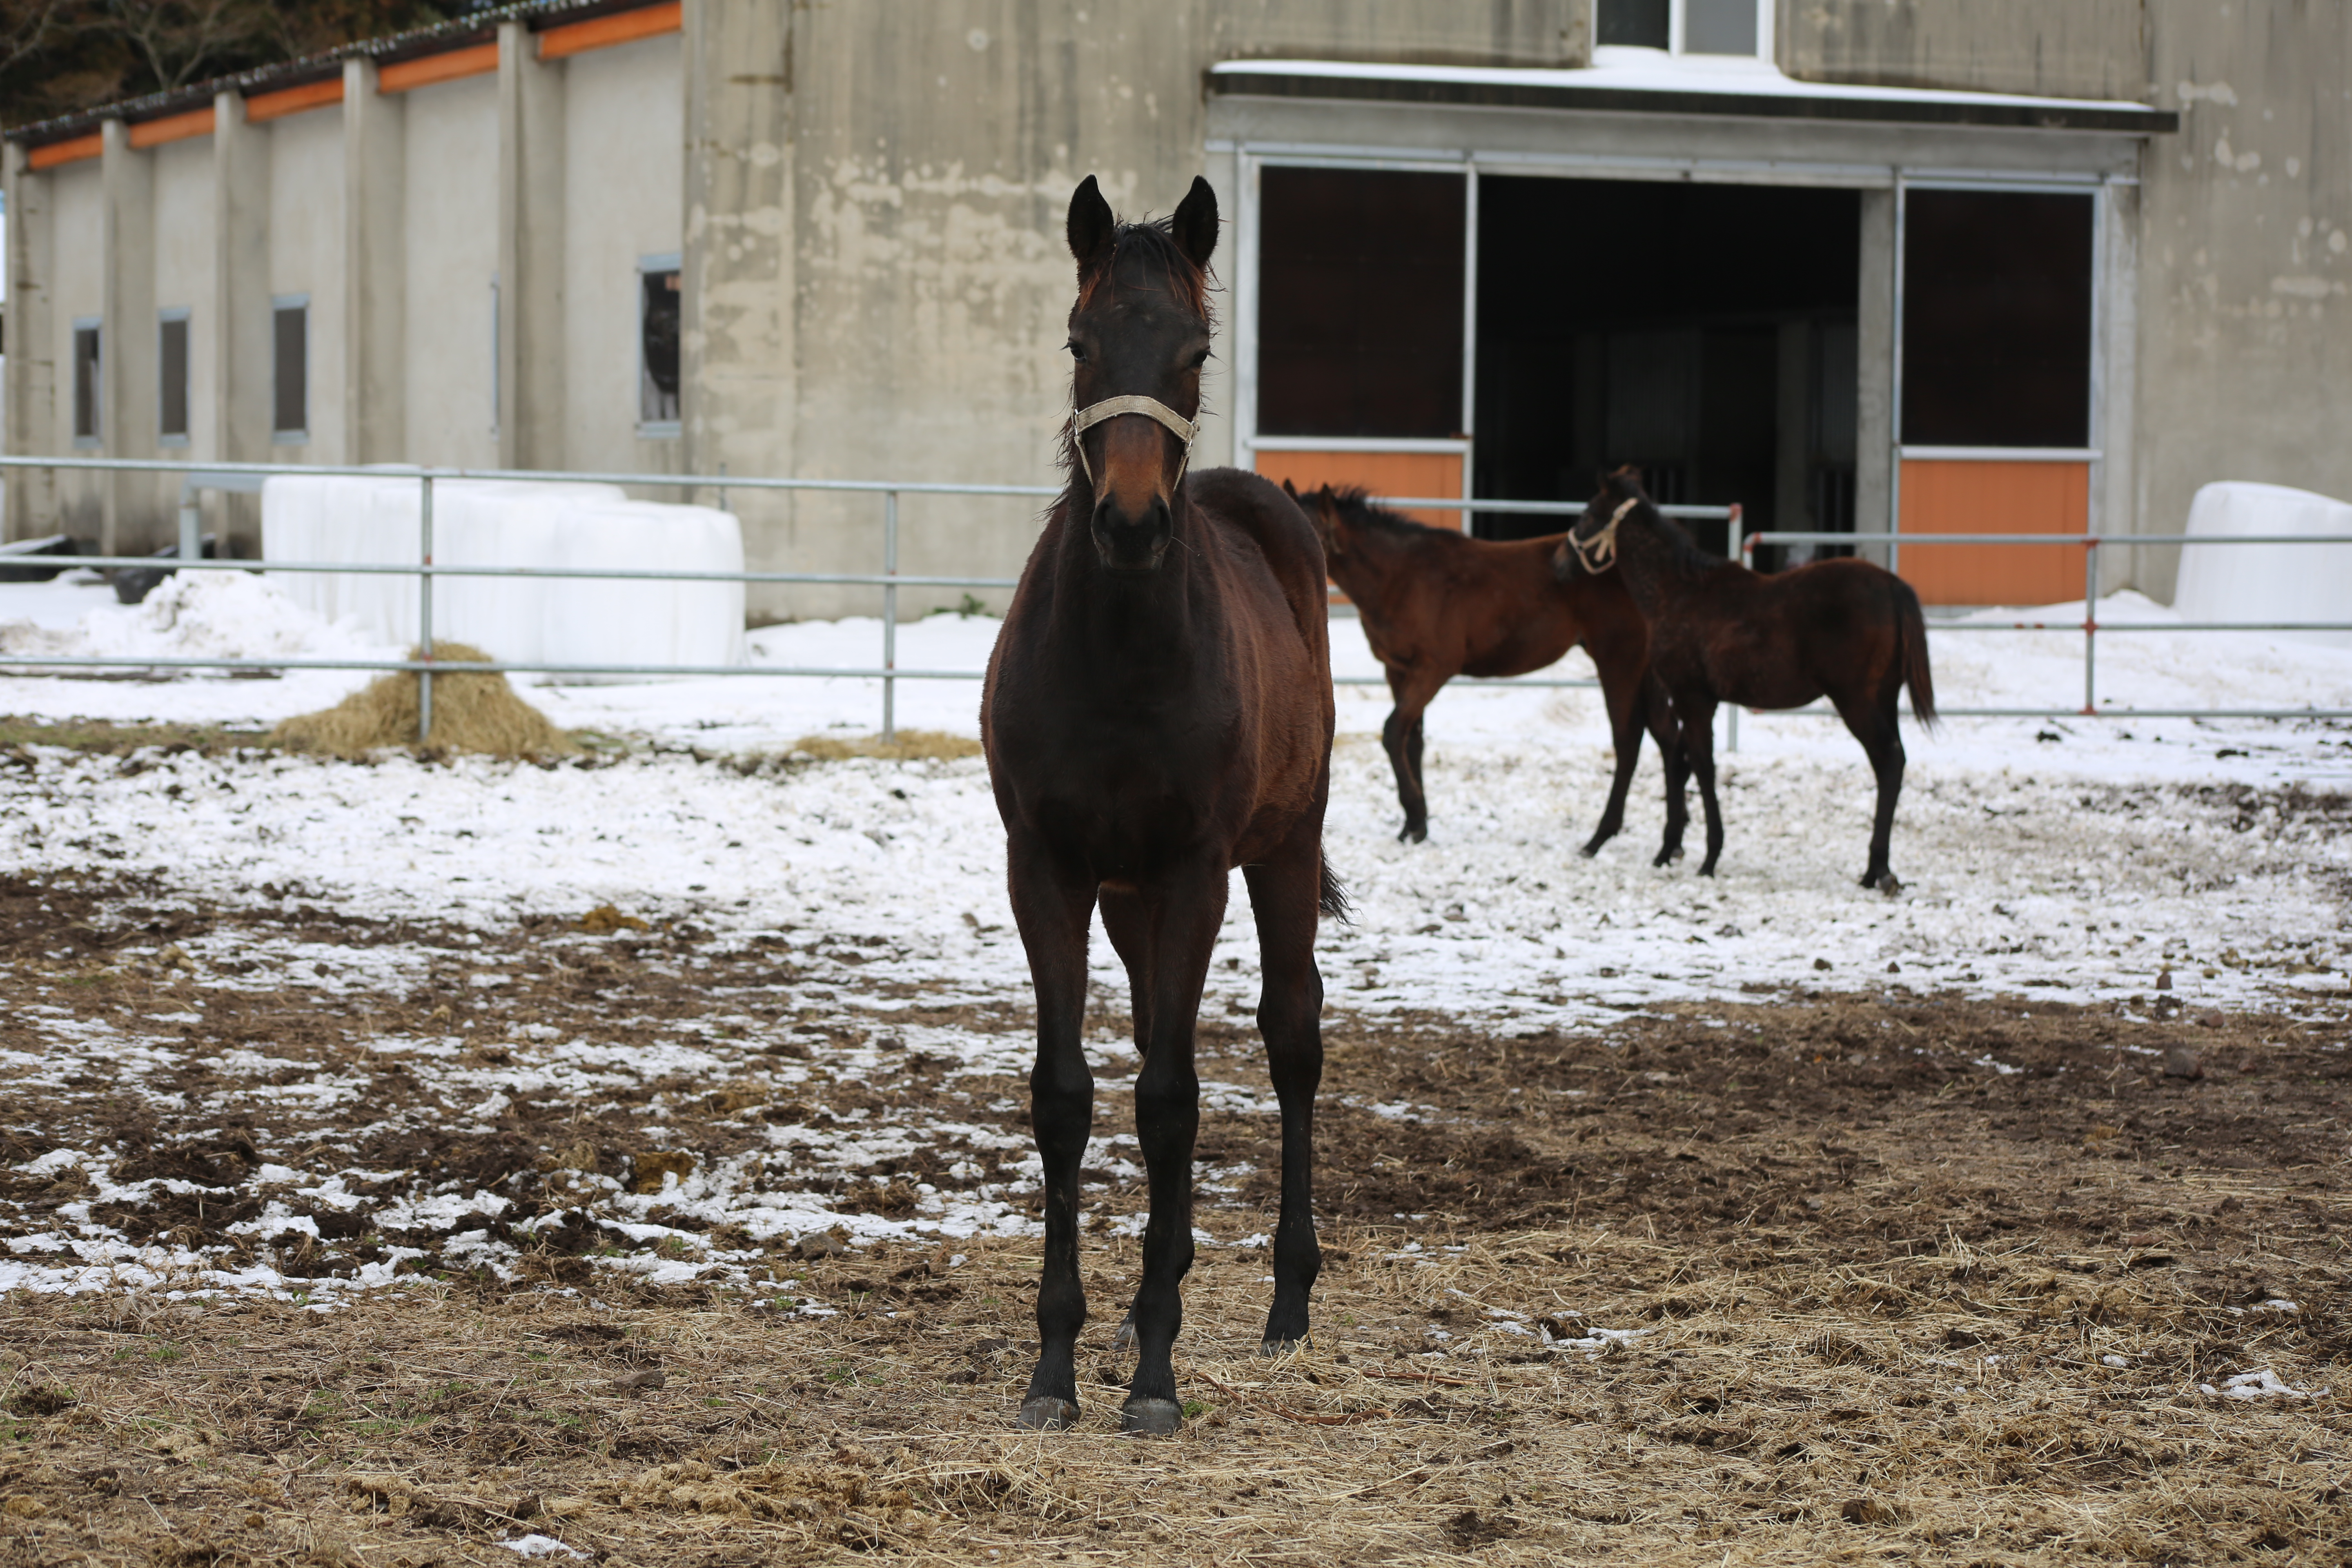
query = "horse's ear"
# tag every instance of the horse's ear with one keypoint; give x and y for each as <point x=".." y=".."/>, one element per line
<point x="1195" y="224"/>
<point x="1091" y="228"/>
<point x="1291" y="490"/>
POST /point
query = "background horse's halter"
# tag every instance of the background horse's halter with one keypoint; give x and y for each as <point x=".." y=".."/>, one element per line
<point x="1094" y="413"/>
<point x="1599" y="552"/>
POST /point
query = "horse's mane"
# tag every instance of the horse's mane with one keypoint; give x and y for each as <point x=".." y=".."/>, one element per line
<point x="1152" y="241"/>
<point x="1683" y="551"/>
<point x="1354" y="504"/>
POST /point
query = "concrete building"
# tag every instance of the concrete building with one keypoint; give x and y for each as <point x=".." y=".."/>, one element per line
<point x="2023" y="264"/>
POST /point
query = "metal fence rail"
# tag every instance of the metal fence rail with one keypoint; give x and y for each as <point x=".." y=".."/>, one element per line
<point x="889" y="580"/>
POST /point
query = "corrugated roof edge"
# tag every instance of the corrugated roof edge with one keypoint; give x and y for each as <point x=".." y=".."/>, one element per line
<point x="473" y="28"/>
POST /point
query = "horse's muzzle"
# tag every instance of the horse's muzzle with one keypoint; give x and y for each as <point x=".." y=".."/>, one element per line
<point x="1130" y="544"/>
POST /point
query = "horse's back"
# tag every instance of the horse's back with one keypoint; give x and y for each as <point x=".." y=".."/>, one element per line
<point x="1251" y="510"/>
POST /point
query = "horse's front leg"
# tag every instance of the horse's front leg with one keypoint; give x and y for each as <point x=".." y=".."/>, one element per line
<point x="1052" y="904"/>
<point x="1624" y="691"/>
<point x="1185" y="908"/>
<point x="1283" y="893"/>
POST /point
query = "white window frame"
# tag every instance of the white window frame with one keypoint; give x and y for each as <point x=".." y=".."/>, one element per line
<point x="1678" y="12"/>
<point x="657" y="430"/>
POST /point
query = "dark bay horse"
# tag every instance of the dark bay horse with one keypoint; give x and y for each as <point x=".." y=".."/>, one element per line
<point x="1436" y="603"/>
<point x="1845" y="629"/>
<point x="1159" y="711"/>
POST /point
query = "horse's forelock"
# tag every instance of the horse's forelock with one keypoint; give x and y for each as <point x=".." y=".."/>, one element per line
<point x="1153" y="241"/>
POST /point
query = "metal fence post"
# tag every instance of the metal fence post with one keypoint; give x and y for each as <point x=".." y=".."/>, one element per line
<point x="889" y="616"/>
<point x="2090" y="626"/>
<point x="1739" y="555"/>
<point x="425" y="619"/>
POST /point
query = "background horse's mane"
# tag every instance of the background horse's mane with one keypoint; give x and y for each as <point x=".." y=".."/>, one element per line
<point x="1685" y="552"/>
<point x="1361" y="511"/>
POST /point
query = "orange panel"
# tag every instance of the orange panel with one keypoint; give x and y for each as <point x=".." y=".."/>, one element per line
<point x="173" y="128"/>
<point x="448" y="65"/>
<point x="294" y="99"/>
<point x="1946" y="497"/>
<point x="1382" y="473"/>
<point x="604" y="32"/>
<point x="72" y="152"/>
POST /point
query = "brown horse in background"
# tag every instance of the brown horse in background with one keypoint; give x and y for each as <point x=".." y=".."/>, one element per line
<point x="1436" y="603"/>
<point x="1158" y="712"/>
<point x="1846" y="629"/>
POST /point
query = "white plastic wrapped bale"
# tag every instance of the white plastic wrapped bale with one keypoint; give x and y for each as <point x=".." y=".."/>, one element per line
<point x="514" y="523"/>
<point x="2267" y="582"/>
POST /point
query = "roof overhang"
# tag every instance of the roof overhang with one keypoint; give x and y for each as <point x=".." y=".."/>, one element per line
<point x="1740" y="91"/>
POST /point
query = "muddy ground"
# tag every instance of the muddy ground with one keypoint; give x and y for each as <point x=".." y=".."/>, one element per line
<point x="1804" y="1276"/>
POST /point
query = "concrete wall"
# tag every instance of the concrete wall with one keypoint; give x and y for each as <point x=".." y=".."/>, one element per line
<point x="306" y="257"/>
<point x="77" y="289"/>
<point x="2246" y="255"/>
<point x="625" y="127"/>
<point x="185" y="279"/>
<point x="874" y="233"/>
<point x="2052" y="48"/>
<point x="451" y="232"/>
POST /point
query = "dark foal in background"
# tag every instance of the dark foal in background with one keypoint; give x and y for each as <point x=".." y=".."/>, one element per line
<point x="1845" y="629"/>
<point x="1436" y="603"/>
<point x="1158" y="712"/>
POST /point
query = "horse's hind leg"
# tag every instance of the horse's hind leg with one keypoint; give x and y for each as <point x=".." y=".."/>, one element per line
<point x="1283" y="894"/>
<point x="1697" y="716"/>
<point x="1051" y="908"/>
<point x="1183" y="910"/>
<point x="1401" y="738"/>
<point x="1123" y="919"/>
<point x="1666" y="728"/>
<point x="1882" y="742"/>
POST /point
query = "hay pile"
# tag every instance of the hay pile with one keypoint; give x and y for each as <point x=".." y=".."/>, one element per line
<point x="471" y="712"/>
<point x="910" y="746"/>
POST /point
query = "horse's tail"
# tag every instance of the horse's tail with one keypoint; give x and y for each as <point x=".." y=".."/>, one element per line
<point x="1333" y="899"/>
<point x="1915" y="654"/>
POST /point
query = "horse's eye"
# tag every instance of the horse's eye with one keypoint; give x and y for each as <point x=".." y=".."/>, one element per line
<point x="1077" y="352"/>
<point x="1198" y="360"/>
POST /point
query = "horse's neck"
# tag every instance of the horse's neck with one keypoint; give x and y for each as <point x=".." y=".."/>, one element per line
<point x="1131" y="628"/>
<point x="1653" y="572"/>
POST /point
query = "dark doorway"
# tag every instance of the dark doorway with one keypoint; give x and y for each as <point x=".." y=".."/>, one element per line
<point x="1706" y="334"/>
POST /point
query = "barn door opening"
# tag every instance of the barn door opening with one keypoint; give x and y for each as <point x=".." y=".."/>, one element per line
<point x="1359" y="331"/>
<point x="1704" y="334"/>
<point x="1996" y="391"/>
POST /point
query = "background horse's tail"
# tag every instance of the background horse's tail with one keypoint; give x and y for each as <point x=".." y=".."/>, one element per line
<point x="1915" y="654"/>
<point x="1333" y="900"/>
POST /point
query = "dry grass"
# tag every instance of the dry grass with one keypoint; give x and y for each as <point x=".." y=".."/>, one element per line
<point x="911" y="745"/>
<point x="471" y="712"/>
<point x="1789" y="1409"/>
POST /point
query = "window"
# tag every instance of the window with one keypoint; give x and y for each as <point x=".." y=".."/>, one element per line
<point x="87" y="430"/>
<point x="1740" y="28"/>
<point x="1996" y="319"/>
<point x="658" y="318"/>
<point x="172" y="378"/>
<point x="1359" y="303"/>
<point x="290" y="359"/>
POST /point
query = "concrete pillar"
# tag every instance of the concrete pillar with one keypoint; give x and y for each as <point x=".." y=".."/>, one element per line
<point x="376" y="255"/>
<point x="740" y="355"/>
<point x="131" y="519"/>
<point x="241" y="362"/>
<point x="1873" y="457"/>
<point x="530" y="254"/>
<point x="32" y="393"/>
<point x="2115" y="502"/>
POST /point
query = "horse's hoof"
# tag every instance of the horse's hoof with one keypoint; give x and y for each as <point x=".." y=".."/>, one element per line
<point x="1124" y="1339"/>
<point x="1150" y="1417"/>
<point x="1888" y="885"/>
<point x="1707" y="869"/>
<point x="1275" y="1346"/>
<point x="1412" y="832"/>
<point x="1047" y="1413"/>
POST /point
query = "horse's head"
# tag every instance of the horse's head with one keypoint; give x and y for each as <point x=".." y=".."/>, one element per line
<point x="1139" y="334"/>
<point x="1331" y="525"/>
<point x="1591" y="545"/>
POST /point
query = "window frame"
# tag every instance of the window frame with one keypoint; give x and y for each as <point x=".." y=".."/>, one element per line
<point x="658" y="430"/>
<point x="166" y="318"/>
<point x="1678" y="33"/>
<point x="95" y="436"/>
<point x="281" y="305"/>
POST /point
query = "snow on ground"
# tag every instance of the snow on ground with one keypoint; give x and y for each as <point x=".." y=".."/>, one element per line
<point x="2078" y="859"/>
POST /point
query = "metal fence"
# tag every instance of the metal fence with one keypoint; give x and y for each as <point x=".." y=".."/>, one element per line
<point x="889" y="580"/>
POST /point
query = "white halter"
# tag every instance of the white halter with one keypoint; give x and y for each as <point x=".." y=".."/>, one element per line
<point x="1599" y="552"/>
<point x="1094" y="413"/>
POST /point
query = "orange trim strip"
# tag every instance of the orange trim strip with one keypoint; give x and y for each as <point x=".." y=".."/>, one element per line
<point x="72" y="152"/>
<point x="479" y="60"/>
<point x="604" y="32"/>
<point x="294" y="99"/>
<point x="173" y="128"/>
